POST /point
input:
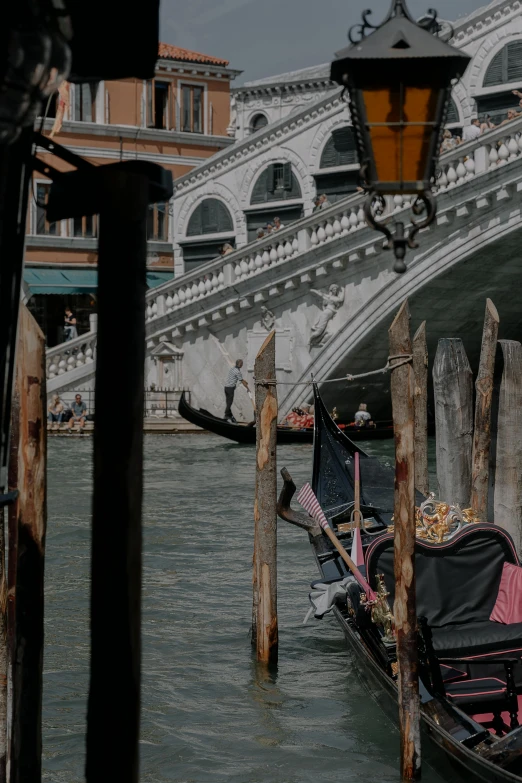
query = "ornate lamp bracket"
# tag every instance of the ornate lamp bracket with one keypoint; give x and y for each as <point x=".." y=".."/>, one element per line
<point x="400" y="241"/>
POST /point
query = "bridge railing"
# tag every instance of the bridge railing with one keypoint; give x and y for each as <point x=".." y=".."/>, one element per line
<point x="324" y="225"/>
<point x="492" y="149"/>
<point x="65" y="357"/>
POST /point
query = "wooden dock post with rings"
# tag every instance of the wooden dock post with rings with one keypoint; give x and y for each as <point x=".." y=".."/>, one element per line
<point x="403" y="394"/>
<point x="264" y="581"/>
<point x="420" y="369"/>
<point x="482" y="433"/>
<point x="27" y="528"/>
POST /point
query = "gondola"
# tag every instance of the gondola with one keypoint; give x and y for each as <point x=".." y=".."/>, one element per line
<point x="246" y="433"/>
<point x="462" y="653"/>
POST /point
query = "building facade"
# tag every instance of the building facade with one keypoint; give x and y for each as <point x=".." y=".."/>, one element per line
<point x="178" y="119"/>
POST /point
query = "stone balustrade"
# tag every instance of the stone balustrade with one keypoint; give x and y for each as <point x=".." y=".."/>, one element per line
<point x="68" y="356"/>
<point x="490" y="150"/>
<point x="255" y="258"/>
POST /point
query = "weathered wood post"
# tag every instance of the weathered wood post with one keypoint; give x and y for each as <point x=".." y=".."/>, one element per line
<point x="484" y="398"/>
<point x="508" y="475"/>
<point x="264" y="612"/>
<point x="404" y="610"/>
<point x="420" y="370"/>
<point x="28" y="518"/>
<point x="453" y="388"/>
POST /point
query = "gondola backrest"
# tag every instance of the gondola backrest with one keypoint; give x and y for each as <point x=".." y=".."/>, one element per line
<point x="457" y="581"/>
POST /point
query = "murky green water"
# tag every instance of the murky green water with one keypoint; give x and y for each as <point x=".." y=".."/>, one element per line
<point x="209" y="715"/>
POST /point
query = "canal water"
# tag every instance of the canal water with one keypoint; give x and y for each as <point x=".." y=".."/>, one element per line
<point x="209" y="714"/>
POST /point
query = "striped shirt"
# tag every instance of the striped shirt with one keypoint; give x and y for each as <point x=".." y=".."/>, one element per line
<point x="234" y="377"/>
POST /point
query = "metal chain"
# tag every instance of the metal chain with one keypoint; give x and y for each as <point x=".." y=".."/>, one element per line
<point x="405" y="358"/>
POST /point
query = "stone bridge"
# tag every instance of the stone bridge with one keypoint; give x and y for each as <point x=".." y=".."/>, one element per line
<point x="199" y="322"/>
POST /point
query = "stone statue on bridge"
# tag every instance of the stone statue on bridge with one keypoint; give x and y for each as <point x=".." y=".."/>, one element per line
<point x="332" y="301"/>
<point x="268" y="319"/>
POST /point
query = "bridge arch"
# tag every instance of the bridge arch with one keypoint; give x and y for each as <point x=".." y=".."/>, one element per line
<point x="430" y="279"/>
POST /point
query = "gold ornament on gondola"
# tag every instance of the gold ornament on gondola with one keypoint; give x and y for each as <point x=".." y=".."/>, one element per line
<point x="437" y="522"/>
<point x="382" y="615"/>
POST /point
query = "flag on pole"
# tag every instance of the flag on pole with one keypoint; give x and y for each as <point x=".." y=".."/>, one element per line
<point x="309" y="502"/>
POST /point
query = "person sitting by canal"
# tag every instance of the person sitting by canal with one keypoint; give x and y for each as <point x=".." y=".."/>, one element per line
<point x="55" y="411"/>
<point x="69" y="330"/>
<point x="79" y="413"/>
<point x="234" y="378"/>
<point x="363" y="417"/>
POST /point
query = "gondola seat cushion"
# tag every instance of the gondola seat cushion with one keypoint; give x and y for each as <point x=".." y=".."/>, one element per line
<point x="457" y="587"/>
<point x="508" y="606"/>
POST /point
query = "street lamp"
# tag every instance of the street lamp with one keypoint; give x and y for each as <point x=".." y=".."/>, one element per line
<point x="398" y="77"/>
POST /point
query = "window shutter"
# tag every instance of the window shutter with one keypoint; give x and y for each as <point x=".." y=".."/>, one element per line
<point x="453" y="113"/>
<point x="287" y="177"/>
<point x="495" y="73"/>
<point x="329" y="156"/>
<point x="271" y="179"/>
<point x="210" y="217"/>
<point x="514" y="61"/>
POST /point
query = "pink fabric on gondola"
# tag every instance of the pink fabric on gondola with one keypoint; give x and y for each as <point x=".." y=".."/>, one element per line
<point x="508" y="606"/>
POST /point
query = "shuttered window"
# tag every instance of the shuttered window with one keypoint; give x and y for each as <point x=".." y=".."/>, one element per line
<point x="340" y="149"/>
<point x="276" y="183"/>
<point x="210" y="217"/>
<point x="506" y="66"/>
<point x="453" y="113"/>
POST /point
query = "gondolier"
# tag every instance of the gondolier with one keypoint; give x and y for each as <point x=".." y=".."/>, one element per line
<point x="234" y="377"/>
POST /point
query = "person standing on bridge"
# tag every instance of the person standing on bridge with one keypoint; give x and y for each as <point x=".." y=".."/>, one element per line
<point x="234" y="378"/>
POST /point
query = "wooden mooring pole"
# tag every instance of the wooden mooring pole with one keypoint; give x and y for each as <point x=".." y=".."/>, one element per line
<point x="420" y="370"/>
<point x="453" y="389"/>
<point x="264" y="610"/>
<point x="508" y="473"/>
<point x="484" y="398"/>
<point x="403" y="395"/>
<point x="27" y="528"/>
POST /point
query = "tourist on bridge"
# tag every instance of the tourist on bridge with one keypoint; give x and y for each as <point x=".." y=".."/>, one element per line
<point x="363" y="417"/>
<point x="277" y="224"/>
<point x="234" y="378"/>
<point x="472" y="131"/>
<point x="69" y="330"/>
<point x="55" y="411"/>
<point x="260" y="233"/>
<point x="79" y="413"/>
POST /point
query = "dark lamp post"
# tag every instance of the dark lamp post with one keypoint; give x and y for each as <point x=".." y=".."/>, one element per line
<point x="398" y="77"/>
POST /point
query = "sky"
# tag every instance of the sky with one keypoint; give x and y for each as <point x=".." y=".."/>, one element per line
<point x="267" y="37"/>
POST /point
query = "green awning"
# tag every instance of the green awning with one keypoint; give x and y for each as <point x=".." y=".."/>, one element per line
<point x="75" y="281"/>
<point x="157" y="278"/>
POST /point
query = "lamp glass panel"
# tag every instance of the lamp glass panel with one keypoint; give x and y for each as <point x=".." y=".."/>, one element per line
<point x="400" y="126"/>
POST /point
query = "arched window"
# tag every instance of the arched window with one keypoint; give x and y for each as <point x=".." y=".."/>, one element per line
<point x="276" y="183"/>
<point x="340" y="149"/>
<point x="506" y="66"/>
<point x="210" y="217"/>
<point x="258" y="121"/>
<point x="453" y="113"/>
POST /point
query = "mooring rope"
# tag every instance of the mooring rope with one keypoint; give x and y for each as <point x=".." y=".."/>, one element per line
<point x="405" y="358"/>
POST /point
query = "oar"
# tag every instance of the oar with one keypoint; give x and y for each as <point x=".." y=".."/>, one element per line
<point x="308" y="500"/>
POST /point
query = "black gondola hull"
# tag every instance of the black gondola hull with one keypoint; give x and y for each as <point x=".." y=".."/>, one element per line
<point x="244" y="433"/>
